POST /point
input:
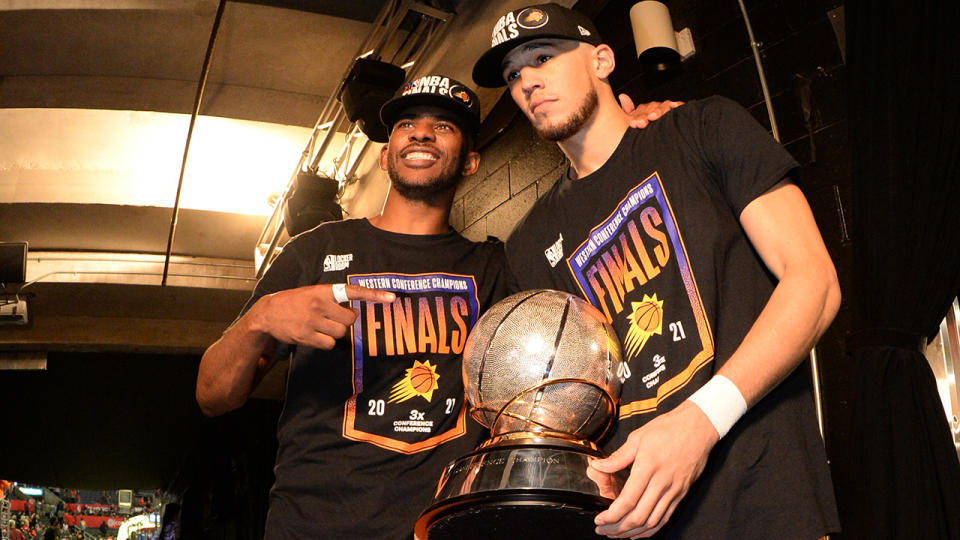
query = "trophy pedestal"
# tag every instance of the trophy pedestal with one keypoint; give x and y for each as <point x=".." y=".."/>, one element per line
<point x="529" y="488"/>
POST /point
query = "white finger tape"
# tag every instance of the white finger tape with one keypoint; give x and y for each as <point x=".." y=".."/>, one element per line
<point x="340" y="293"/>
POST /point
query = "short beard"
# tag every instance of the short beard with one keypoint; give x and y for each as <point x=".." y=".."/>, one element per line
<point x="441" y="184"/>
<point x="573" y="123"/>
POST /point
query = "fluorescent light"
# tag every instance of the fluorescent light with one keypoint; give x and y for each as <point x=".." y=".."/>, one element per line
<point x="134" y="158"/>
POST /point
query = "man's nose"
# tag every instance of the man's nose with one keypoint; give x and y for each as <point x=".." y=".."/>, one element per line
<point x="530" y="79"/>
<point x="423" y="131"/>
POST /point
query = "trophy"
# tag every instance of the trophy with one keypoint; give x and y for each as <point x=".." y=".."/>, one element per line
<point x="540" y="370"/>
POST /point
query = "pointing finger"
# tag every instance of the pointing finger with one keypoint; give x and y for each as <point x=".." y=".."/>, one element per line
<point x="343" y="292"/>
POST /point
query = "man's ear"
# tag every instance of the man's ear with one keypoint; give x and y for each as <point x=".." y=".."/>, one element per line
<point x="383" y="156"/>
<point x="471" y="164"/>
<point x="603" y="61"/>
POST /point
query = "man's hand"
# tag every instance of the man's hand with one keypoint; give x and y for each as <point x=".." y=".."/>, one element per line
<point x="311" y="315"/>
<point x="666" y="456"/>
<point x="641" y="115"/>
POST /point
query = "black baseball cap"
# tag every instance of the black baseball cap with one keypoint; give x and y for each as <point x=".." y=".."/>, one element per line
<point x="524" y="24"/>
<point x="438" y="91"/>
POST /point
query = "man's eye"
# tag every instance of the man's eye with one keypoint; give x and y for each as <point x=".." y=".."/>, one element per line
<point x="443" y="127"/>
<point x="543" y="58"/>
<point x="404" y="124"/>
<point x="511" y="75"/>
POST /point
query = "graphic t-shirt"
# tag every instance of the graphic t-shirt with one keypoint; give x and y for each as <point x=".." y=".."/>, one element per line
<point x="367" y="428"/>
<point x="653" y="240"/>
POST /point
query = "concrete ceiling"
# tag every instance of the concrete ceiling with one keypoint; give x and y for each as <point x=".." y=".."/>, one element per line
<point x="69" y="67"/>
<point x="271" y="63"/>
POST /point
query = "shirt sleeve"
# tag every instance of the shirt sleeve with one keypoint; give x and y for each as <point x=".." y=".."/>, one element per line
<point x="498" y="271"/>
<point x="513" y="284"/>
<point x="746" y="160"/>
<point x="284" y="273"/>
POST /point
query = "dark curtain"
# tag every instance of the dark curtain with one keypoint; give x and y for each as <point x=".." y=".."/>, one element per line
<point x="905" y="133"/>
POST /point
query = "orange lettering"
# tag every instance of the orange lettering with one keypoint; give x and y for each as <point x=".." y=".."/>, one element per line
<point x="648" y="266"/>
<point x="458" y="338"/>
<point x="614" y="264"/>
<point x="403" y="315"/>
<point x="632" y="270"/>
<point x="426" y="334"/>
<point x="388" y="330"/>
<point x="372" y="327"/>
<point x="615" y="293"/>
<point x="650" y="218"/>
<point x="442" y="346"/>
<point x="598" y="290"/>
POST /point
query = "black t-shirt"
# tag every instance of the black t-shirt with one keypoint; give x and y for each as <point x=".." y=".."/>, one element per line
<point x="367" y="428"/>
<point x="652" y="239"/>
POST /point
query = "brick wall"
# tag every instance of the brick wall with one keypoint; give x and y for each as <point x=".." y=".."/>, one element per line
<point x="515" y="169"/>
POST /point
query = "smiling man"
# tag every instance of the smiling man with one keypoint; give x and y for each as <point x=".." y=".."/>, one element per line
<point x="375" y="403"/>
<point x="694" y="241"/>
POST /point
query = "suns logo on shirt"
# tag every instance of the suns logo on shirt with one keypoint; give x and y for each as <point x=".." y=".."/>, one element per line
<point x="645" y="320"/>
<point x="420" y="380"/>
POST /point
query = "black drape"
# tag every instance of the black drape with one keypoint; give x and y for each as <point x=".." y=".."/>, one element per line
<point x="905" y="132"/>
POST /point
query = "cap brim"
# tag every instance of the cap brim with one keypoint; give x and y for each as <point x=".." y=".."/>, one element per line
<point x="488" y="72"/>
<point x="393" y="108"/>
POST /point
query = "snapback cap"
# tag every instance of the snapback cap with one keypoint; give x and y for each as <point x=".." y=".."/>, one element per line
<point x="525" y="24"/>
<point x="438" y="91"/>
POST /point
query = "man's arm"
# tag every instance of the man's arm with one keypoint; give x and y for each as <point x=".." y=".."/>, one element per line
<point x="804" y="302"/>
<point x="308" y="316"/>
<point x="668" y="454"/>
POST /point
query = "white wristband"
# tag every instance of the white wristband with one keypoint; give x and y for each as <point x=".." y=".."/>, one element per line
<point x="340" y="292"/>
<point x="721" y="401"/>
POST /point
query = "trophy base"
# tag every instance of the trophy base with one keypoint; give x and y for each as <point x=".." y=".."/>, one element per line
<point x="537" y="519"/>
<point x="541" y="489"/>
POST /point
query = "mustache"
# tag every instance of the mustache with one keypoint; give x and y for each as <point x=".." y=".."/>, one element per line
<point x="420" y="147"/>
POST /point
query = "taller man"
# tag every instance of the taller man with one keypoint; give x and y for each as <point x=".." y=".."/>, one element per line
<point x="694" y="241"/>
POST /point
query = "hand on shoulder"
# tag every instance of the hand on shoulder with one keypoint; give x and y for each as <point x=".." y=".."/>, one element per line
<point x="642" y="114"/>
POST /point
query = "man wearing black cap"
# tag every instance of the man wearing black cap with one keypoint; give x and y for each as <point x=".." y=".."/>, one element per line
<point x="375" y="402"/>
<point x="694" y="241"/>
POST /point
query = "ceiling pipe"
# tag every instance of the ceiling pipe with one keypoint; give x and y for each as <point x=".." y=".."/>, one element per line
<point x="186" y="150"/>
